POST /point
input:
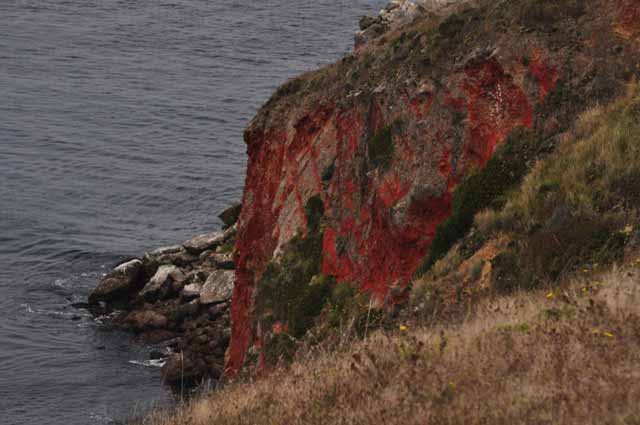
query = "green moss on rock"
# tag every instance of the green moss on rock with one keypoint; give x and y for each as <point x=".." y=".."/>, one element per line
<point x="482" y="190"/>
<point x="328" y="172"/>
<point x="381" y="148"/>
<point x="314" y="211"/>
<point x="293" y="291"/>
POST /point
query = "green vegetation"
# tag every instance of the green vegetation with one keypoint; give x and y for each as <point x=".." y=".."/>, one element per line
<point x="349" y="308"/>
<point x="452" y="26"/>
<point x="292" y="291"/>
<point x="578" y="206"/>
<point x="327" y="173"/>
<point x="314" y="211"/>
<point x="483" y="189"/>
<point x="280" y="347"/>
<point x="228" y="246"/>
<point x="380" y="148"/>
<point x="543" y="15"/>
<point x="290" y="87"/>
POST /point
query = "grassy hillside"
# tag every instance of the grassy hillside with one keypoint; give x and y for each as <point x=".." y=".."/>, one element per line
<point x="574" y="213"/>
<point x="567" y="357"/>
<point x="533" y="317"/>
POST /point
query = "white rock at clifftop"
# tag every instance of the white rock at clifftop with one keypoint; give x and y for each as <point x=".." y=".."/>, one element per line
<point x="396" y="14"/>
<point x="400" y="12"/>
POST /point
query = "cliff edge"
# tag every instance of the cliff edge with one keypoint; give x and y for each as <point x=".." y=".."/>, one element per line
<point x="353" y="169"/>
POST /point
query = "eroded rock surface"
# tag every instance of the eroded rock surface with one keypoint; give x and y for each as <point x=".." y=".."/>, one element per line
<point x="375" y="146"/>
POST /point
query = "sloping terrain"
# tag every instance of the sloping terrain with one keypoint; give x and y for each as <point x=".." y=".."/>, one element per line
<point x="367" y="172"/>
<point x="467" y="351"/>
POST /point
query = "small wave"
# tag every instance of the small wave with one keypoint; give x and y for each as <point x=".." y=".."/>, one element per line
<point x="75" y="315"/>
<point x="149" y="363"/>
<point x="105" y="317"/>
<point x="27" y="308"/>
<point x="103" y="418"/>
<point x="62" y="283"/>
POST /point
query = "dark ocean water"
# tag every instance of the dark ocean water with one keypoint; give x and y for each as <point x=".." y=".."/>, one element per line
<point x="121" y="130"/>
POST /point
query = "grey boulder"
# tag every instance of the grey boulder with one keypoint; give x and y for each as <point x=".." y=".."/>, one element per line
<point x="122" y="280"/>
<point x="162" y="282"/>
<point x="230" y="216"/>
<point x="219" y="260"/>
<point x="202" y="243"/>
<point x="218" y="287"/>
<point x="176" y="255"/>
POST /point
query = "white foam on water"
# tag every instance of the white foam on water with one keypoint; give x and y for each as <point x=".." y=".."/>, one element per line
<point x="149" y="363"/>
<point x="102" y="418"/>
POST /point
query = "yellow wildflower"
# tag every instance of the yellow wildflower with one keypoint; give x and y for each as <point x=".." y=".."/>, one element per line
<point x="549" y="295"/>
<point x="595" y="331"/>
<point x="608" y="334"/>
<point x="403" y="328"/>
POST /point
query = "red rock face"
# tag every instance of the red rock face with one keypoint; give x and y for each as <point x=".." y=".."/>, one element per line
<point x="545" y="74"/>
<point x="379" y="223"/>
<point x="495" y="106"/>
<point x="439" y="122"/>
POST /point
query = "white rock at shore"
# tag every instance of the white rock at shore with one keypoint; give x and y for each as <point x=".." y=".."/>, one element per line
<point x="123" y="279"/>
<point x="203" y="242"/>
<point x="218" y="287"/>
<point x="161" y="281"/>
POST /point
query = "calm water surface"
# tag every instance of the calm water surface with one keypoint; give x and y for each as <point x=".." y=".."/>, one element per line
<point x="121" y="130"/>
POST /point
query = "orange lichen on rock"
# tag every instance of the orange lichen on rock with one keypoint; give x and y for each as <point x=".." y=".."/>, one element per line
<point x="628" y="25"/>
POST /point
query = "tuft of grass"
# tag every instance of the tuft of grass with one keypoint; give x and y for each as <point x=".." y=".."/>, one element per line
<point x="351" y="311"/>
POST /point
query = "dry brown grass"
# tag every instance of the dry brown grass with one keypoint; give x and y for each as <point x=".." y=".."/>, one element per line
<point x="570" y="357"/>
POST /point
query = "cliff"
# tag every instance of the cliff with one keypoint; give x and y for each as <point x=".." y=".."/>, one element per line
<point x="361" y="173"/>
<point x="523" y="320"/>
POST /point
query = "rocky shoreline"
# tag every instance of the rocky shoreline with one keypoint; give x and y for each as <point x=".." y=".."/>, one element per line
<point x="177" y="297"/>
